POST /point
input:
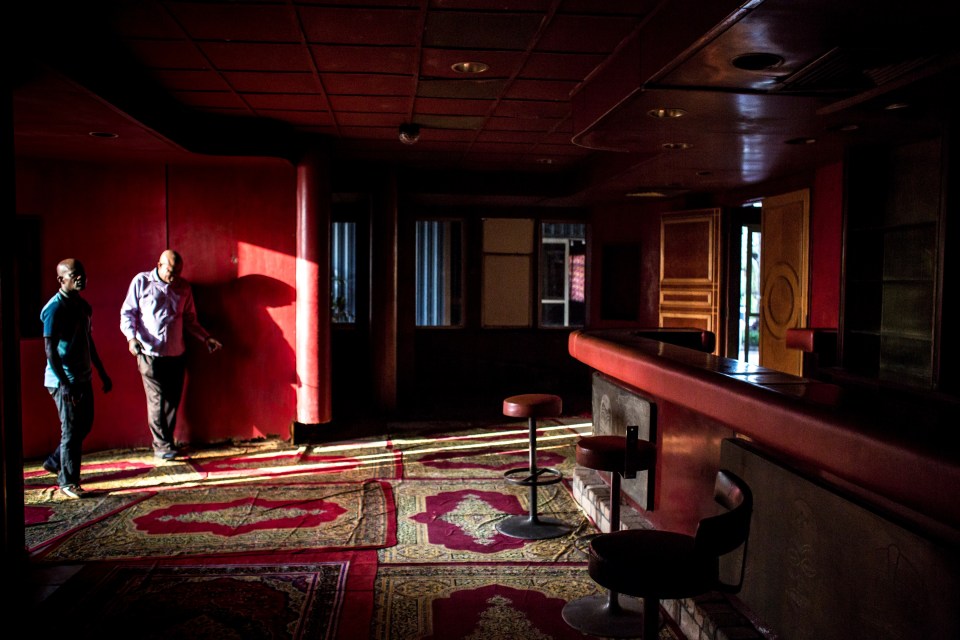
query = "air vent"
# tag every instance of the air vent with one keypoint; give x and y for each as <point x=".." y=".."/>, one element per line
<point x="846" y="72"/>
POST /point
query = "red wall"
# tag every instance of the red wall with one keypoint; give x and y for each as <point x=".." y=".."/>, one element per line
<point x="625" y="224"/>
<point x="234" y="223"/>
<point x="826" y="247"/>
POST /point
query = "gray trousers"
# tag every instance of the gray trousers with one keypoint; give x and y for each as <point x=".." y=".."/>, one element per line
<point x="163" y="384"/>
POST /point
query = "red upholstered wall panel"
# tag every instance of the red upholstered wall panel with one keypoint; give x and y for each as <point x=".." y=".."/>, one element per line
<point x="826" y="222"/>
<point x="233" y="221"/>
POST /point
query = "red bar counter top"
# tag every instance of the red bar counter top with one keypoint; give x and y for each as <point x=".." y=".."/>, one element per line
<point x="897" y="456"/>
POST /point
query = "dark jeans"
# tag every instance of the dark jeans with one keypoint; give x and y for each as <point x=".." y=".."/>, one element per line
<point x="76" y="420"/>
<point x="163" y="385"/>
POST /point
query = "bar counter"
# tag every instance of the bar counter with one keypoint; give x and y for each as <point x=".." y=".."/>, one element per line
<point x="895" y="457"/>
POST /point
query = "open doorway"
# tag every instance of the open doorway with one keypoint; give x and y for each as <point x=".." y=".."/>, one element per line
<point x="743" y="286"/>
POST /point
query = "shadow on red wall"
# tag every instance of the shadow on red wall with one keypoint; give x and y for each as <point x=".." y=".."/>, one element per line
<point x="247" y="389"/>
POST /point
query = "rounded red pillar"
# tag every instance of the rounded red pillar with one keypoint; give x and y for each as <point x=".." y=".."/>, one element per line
<point x="313" y="290"/>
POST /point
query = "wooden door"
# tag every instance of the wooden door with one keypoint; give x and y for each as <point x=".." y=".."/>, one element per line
<point x="784" y="277"/>
<point x="690" y="271"/>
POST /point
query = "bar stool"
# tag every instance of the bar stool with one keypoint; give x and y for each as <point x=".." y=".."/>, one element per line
<point x="605" y="615"/>
<point x="653" y="564"/>
<point x="533" y="527"/>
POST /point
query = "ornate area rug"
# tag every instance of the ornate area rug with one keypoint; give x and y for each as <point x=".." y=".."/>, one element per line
<point x="327" y="596"/>
<point x="241" y="519"/>
<point x="304" y="463"/>
<point x="49" y="516"/>
<point x="481" y="602"/>
<point x="487" y="453"/>
<point x="118" y="470"/>
<point x="455" y="521"/>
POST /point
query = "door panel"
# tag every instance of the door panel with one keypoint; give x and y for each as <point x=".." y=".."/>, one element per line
<point x="690" y="270"/>
<point x="784" y="279"/>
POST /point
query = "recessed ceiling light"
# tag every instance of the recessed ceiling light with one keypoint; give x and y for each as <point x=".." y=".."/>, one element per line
<point x="102" y="134"/>
<point x="676" y="145"/>
<point x="704" y="173"/>
<point x="666" y="113"/>
<point x="802" y="140"/>
<point x="470" y="67"/>
<point x="757" y="61"/>
<point x="893" y="106"/>
<point x="544" y="160"/>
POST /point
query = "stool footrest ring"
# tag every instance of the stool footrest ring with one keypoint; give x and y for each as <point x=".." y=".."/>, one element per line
<point x="539" y="478"/>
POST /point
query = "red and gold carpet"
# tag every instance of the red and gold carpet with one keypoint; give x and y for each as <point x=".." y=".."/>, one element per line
<point x="455" y="521"/>
<point x="241" y="519"/>
<point x="325" y="595"/>
<point x="392" y="537"/>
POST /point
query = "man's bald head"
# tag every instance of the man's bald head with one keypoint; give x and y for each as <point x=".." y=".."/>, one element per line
<point x="71" y="275"/>
<point x="169" y="266"/>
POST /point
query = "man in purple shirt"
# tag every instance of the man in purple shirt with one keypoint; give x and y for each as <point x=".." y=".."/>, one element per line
<point x="156" y="313"/>
<point x="70" y="352"/>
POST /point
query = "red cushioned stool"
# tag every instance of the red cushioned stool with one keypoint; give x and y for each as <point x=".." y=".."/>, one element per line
<point x="533" y="527"/>
<point x="605" y="615"/>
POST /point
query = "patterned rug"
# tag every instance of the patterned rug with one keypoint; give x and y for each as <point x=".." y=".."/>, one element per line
<point x="240" y="519"/>
<point x="323" y="596"/>
<point x="487" y="453"/>
<point x="49" y="516"/>
<point x="480" y="602"/>
<point x="455" y="521"/>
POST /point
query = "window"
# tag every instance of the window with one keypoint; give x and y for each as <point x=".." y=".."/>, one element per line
<point x="439" y="273"/>
<point x="343" y="269"/>
<point x="562" y="274"/>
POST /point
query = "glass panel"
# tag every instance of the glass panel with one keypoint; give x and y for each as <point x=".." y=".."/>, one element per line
<point x="439" y="273"/>
<point x="343" y="286"/>
<point x="562" y="274"/>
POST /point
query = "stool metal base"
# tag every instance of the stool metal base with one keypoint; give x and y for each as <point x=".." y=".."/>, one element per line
<point x="539" y="477"/>
<point x="533" y="527"/>
<point x="594" y="615"/>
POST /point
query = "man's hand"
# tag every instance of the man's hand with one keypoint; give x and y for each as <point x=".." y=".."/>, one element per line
<point x="107" y="382"/>
<point x="134" y="346"/>
<point x="213" y="344"/>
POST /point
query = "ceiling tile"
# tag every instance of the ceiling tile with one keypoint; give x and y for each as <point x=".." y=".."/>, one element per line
<point x="558" y="90"/>
<point x="449" y="122"/>
<point x="146" y="20"/>
<point x="370" y="119"/>
<point x="516" y="124"/>
<point x="301" y="118"/>
<point x="238" y="56"/>
<point x="467" y="89"/>
<point x="367" y="84"/>
<point x="493" y="5"/>
<point x="532" y="109"/>
<point x="458" y="106"/>
<point x="264" y="82"/>
<point x="455" y="29"/>
<point x="286" y="101"/>
<point x="358" y="59"/>
<point x="586" y="34"/>
<point x="236" y="21"/>
<point x="378" y="104"/>
<point x="379" y="27"/>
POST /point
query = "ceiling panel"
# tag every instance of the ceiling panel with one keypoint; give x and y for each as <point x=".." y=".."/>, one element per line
<point x="569" y="82"/>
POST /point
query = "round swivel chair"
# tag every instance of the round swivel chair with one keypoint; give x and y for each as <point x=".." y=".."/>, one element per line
<point x="605" y="615"/>
<point x="652" y="564"/>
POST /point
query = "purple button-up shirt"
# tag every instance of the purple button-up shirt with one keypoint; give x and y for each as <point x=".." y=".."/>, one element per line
<point x="157" y="314"/>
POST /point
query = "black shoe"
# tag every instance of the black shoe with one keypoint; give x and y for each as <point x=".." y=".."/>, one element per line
<point x="49" y="468"/>
<point x="165" y="455"/>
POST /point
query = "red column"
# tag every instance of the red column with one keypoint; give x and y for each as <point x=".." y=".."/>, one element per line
<point x="313" y="290"/>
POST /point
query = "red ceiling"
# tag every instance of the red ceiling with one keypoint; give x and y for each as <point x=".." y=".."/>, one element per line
<point x="567" y="89"/>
